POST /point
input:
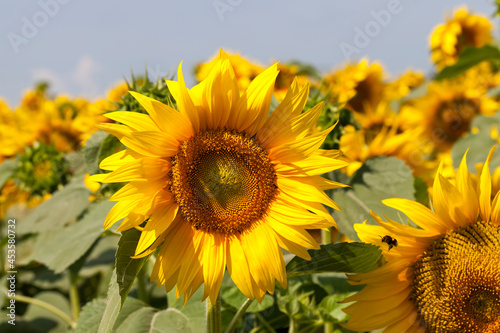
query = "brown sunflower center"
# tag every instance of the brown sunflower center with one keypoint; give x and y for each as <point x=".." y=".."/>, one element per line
<point x="456" y="283"/>
<point x="223" y="181"/>
<point x="453" y="119"/>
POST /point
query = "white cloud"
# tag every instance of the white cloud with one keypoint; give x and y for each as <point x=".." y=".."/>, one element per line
<point x="84" y="75"/>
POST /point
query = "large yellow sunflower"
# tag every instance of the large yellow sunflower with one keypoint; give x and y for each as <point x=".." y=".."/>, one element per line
<point x="464" y="29"/>
<point x="441" y="277"/>
<point x="219" y="183"/>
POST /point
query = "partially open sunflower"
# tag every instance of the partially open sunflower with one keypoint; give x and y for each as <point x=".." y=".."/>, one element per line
<point x="219" y="183"/>
<point x="443" y="276"/>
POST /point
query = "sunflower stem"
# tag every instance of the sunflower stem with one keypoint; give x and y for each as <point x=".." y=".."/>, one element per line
<point x="328" y="327"/>
<point x="214" y="324"/>
<point x="238" y="315"/>
<point x="48" y="307"/>
<point x="326" y="236"/>
<point x="73" y="295"/>
<point x="294" y="328"/>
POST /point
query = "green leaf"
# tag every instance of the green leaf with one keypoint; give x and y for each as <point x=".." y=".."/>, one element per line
<point x="90" y="316"/>
<point x="194" y="309"/>
<point x="338" y="257"/>
<point x="137" y="322"/>
<point x="233" y="296"/>
<point x="60" y="248"/>
<point x="64" y="206"/>
<point x="126" y="267"/>
<point x="479" y="144"/>
<point x="378" y="179"/>
<point x="92" y="151"/>
<point x="470" y="57"/>
<point x="130" y="306"/>
<point x="147" y="319"/>
<point x="113" y="306"/>
<point x="7" y="169"/>
<point x="170" y="321"/>
<point x="45" y="320"/>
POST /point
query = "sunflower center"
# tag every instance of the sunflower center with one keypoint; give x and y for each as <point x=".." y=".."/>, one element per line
<point x="42" y="169"/>
<point x="456" y="283"/>
<point x="453" y="119"/>
<point x="223" y="181"/>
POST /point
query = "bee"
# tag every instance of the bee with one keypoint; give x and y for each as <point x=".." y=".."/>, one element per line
<point x="392" y="242"/>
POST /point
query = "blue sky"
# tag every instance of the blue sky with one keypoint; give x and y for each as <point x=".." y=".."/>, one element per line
<point x="85" y="47"/>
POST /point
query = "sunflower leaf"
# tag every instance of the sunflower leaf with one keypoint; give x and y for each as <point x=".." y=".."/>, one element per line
<point x="127" y="268"/>
<point x="92" y="151"/>
<point x="378" y="179"/>
<point x="7" y="169"/>
<point x="338" y="257"/>
<point x="470" y="57"/>
<point x="65" y="205"/>
<point x="113" y="306"/>
<point x="51" y="247"/>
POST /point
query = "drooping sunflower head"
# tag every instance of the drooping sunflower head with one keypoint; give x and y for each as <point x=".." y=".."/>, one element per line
<point x="464" y="29"/>
<point x="220" y="183"/>
<point x="444" y="275"/>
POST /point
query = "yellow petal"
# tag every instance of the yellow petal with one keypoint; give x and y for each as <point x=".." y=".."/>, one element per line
<point x="184" y="102"/>
<point x="485" y="189"/>
<point x="253" y="105"/>
<point x="418" y="213"/>
<point x="134" y="120"/>
<point x="167" y="119"/>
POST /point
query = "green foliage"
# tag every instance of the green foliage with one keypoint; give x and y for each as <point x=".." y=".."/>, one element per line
<point x="378" y="179"/>
<point x="468" y="58"/>
<point x="7" y="169"/>
<point x="478" y="144"/>
<point x="52" y="246"/>
<point x="127" y="268"/>
<point x="339" y="257"/>
<point x="157" y="90"/>
<point x="64" y="206"/>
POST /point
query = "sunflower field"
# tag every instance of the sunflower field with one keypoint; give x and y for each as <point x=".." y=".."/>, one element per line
<point x="264" y="198"/>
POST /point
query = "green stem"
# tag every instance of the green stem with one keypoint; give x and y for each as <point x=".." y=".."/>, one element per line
<point x="74" y="297"/>
<point x="48" y="307"/>
<point x="214" y="324"/>
<point x="328" y="327"/>
<point x="238" y="315"/>
<point x="293" y="326"/>
<point x="326" y="236"/>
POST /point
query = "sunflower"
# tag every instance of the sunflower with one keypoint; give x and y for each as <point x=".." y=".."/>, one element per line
<point x="383" y="133"/>
<point x="244" y="70"/>
<point x="288" y="73"/>
<point x="219" y="183"/>
<point x="445" y="113"/>
<point x="441" y="277"/>
<point x="464" y="29"/>
<point x="359" y="85"/>
<point x="402" y="85"/>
